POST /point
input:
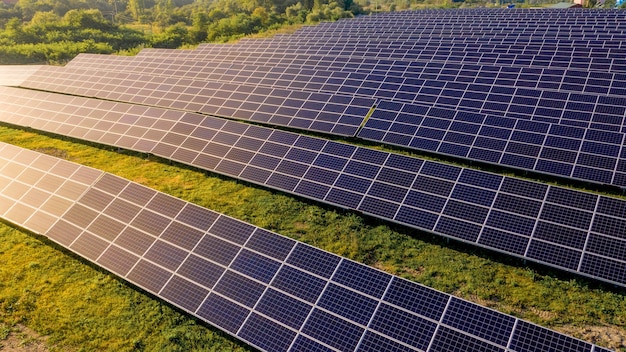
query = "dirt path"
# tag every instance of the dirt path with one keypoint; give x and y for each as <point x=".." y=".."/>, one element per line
<point x="23" y="339"/>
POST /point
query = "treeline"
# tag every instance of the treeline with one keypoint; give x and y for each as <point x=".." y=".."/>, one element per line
<point x="54" y="31"/>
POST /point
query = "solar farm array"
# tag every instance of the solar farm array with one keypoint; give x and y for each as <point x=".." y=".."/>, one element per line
<point x="538" y="90"/>
<point x="537" y="110"/>
<point x="268" y="290"/>
<point x="567" y="229"/>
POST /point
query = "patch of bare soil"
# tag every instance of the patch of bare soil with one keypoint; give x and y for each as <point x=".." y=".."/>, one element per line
<point x="23" y="339"/>
<point x="612" y="337"/>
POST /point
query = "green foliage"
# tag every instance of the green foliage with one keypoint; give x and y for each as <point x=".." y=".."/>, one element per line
<point x="52" y="39"/>
<point x="173" y="37"/>
<point x="200" y="22"/>
<point x="57" y="52"/>
<point x="34" y="29"/>
<point x="233" y="27"/>
<point x="328" y="12"/>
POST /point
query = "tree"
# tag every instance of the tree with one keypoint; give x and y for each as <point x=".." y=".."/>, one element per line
<point x="199" y="25"/>
<point x="163" y="11"/>
<point x="172" y="38"/>
<point x="261" y="14"/>
<point x="136" y="8"/>
<point x="87" y="19"/>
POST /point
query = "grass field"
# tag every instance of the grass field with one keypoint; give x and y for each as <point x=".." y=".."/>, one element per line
<point x="75" y="305"/>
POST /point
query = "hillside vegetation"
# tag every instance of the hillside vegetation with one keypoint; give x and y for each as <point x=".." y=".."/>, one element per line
<point x="54" y="31"/>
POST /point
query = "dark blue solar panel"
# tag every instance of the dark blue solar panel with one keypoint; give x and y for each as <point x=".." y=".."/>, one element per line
<point x="370" y="156"/>
<point x="216" y="250"/>
<point x="402" y="326"/>
<point x="473" y="195"/>
<point x="348" y="304"/>
<point x="331" y="162"/>
<point x="362" y="169"/>
<point x="378" y="207"/>
<point x="266" y="334"/>
<point x="522" y="206"/>
<point x="416" y="298"/>
<point x="504" y="241"/>
<point x="553" y="254"/>
<point x="223" y="313"/>
<point x="524" y="188"/>
<point x="255" y="266"/>
<point x="416" y="217"/>
<point x="184" y="293"/>
<point x="387" y="192"/>
<point x="270" y="244"/>
<point x="283" y="308"/>
<point x="231" y="230"/>
<point x="149" y="276"/>
<point x="239" y="288"/>
<point x="611" y="206"/>
<point x="364" y="279"/>
<point x="477" y="178"/>
<point x="372" y="342"/>
<point x="439" y="170"/>
<point x="166" y="255"/>
<point x="332" y="330"/>
<point x="474" y="319"/>
<point x="458" y="228"/>
<point x="610" y="247"/>
<point x="396" y="177"/>
<point x="451" y="340"/>
<point x="404" y="163"/>
<point x="466" y="211"/>
<point x="566" y="216"/>
<point x="432" y="185"/>
<point x="510" y="222"/>
<point x="532" y="338"/>
<point x="561" y="234"/>
<point x="299" y="283"/>
<point x="201" y="271"/>
<point x="610" y="269"/>
<point x="313" y="260"/>
<point x="344" y="198"/>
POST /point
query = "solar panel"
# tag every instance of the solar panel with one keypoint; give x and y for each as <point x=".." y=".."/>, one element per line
<point x="274" y="69"/>
<point x="521" y="218"/>
<point x="556" y="149"/>
<point x="258" y="298"/>
<point x="509" y="92"/>
<point x="14" y="75"/>
<point x="560" y="146"/>
<point x="321" y="112"/>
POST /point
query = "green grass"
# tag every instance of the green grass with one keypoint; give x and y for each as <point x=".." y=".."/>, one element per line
<point x="82" y="307"/>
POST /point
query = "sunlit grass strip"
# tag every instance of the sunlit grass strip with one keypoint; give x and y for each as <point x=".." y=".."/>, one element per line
<point x="556" y="300"/>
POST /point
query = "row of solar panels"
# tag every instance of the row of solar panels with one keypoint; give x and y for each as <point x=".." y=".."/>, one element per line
<point x="270" y="291"/>
<point x="567" y="229"/>
<point x="594" y="49"/>
<point x="429" y="50"/>
<point x="469" y="57"/>
<point x="477" y="14"/>
<point x="388" y="77"/>
<point x="567" y="147"/>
